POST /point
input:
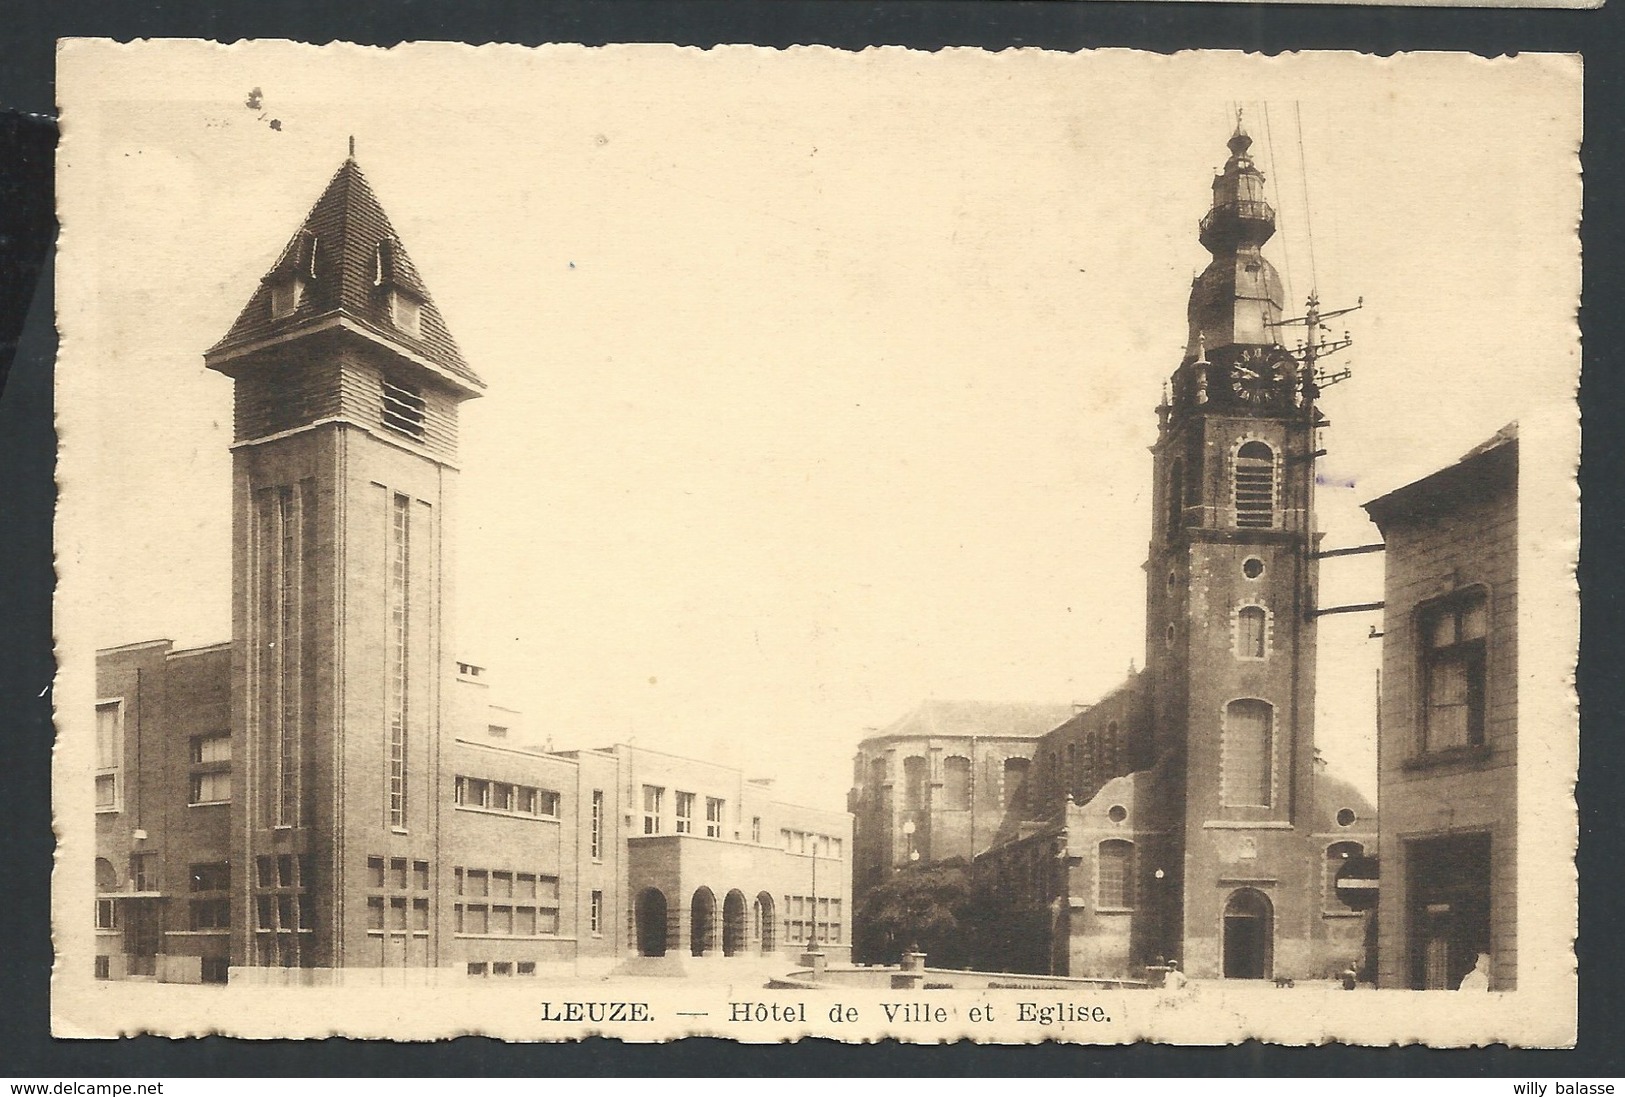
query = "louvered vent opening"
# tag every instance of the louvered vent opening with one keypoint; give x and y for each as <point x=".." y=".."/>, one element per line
<point x="403" y="408"/>
<point x="1255" y="487"/>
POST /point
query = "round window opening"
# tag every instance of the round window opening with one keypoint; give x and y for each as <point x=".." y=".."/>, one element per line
<point x="1345" y="818"/>
<point x="1168" y="637"/>
<point x="1117" y="813"/>
<point x="1253" y="567"/>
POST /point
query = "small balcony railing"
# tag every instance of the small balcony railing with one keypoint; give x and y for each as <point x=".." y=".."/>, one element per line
<point x="1243" y="210"/>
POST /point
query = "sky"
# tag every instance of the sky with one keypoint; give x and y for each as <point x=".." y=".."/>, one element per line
<point x="819" y="384"/>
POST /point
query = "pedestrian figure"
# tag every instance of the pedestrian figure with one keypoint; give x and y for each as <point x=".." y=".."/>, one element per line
<point x="1479" y="977"/>
<point x="1175" y="979"/>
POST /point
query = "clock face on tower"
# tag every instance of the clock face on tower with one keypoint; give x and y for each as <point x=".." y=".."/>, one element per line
<point x="1262" y="377"/>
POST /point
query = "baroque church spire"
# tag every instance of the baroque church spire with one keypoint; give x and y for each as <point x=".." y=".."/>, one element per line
<point x="1237" y="300"/>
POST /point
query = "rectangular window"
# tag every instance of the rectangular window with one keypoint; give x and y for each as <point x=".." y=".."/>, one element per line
<point x="713" y="817"/>
<point x="420" y="915"/>
<point x="459" y="791"/>
<point x="397" y="913"/>
<point x="835" y="848"/>
<point x="478" y="918"/>
<point x="479" y="884"/>
<point x="106" y="914"/>
<point x="653" y="801"/>
<point x="502" y="920"/>
<point x="210" y="748"/>
<point x="595" y="913"/>
<point x="265" y="872"/>
<point x="375" y="872"/>
<point x="144" y="871"/>
<point x="547" y="803"/>
<point x="211" y="788"/>
<point x="526" y="967"/>
<point x="524" y="921"/>
<point x="375" y="912"/>
<point x="502" y="967"/>
<point x="1251" y="622"/>
<point x="685" y="813"/>
<point x="284" y="871"/>
<point x="477" y="970"/>
<point x="478" y="793"/>
<point x="109" y="753"/>
<point x="1454" y="634"/>
<point x="210" y="914"/>
<point x="597" y="841"/>
<point x="524" y="885"/>
<point x="547" y="889"/>
<point x="404" y="409"/>
<point x="527" y="801"/>
<point x="502" y="885"/>
<point x="265" y="911"/>
<point x="547" y="922"/>
<point x="397" y="676"/>
<point x="503" y="798"/>
<point x="214" y="876"/>
<point x="756" y="829"/>
<point x="397" y="873"/>
<point x="420" y="875"/>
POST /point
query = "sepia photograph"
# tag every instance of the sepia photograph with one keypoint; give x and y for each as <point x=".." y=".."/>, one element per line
<point x="639" y="541"/>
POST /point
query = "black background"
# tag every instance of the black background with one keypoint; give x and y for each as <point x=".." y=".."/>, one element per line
<point x="27" y="447"/>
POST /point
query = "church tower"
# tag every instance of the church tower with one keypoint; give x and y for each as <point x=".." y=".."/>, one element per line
<point x="1229" y="616"/>
<point x="347" y="386"/>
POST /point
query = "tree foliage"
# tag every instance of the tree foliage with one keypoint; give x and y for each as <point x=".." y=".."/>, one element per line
<point x="929" y="907"/>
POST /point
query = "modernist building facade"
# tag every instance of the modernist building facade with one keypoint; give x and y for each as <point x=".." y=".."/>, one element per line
<point x="330" y="793"/>
<point x="1182" y="815"/>
<point x="1449" y="742"/>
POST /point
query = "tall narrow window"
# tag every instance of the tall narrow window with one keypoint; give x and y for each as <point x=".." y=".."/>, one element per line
<point x="286" y="655"/>
<point x="1453" y="646"/>
<point x="1251" y="622"/>
<point x="1248" y="753"/>
<point x="653" y="804"/>
<point x="1015" y="783"/>
<point x="1175" y="498"/>
<point x="956" y="783"/>
<point x="713" y="817"/>
<point x="685" y="813"/>
<point x="1255" y="486"/>
<point x="597" y="840"/>
<point x="595" y="913"/>
<point x="109" y="753"/>
<point x="400" y="591"/>
<point x="913" y="783"/>
<point x="1116" y="875"/>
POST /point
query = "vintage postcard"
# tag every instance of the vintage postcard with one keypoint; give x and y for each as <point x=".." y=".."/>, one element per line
<point x="765" y="543"/>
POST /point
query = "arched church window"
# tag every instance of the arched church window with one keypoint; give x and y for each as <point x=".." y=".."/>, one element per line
<point x="956" y="783"/>
<point x="1116" y="861"/>
<point x="1015" y="783"/>
<point x="1252" y="624"/>
<point x="1255" y="486"/>
<point x="913" y="783"/>
<point x="1248" y="753"/>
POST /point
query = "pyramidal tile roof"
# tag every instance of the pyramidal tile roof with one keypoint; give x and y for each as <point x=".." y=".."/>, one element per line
<point x="336" y="251"/>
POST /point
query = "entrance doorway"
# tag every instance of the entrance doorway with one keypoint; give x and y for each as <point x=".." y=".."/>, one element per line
<point x="1249" y="935"/>
<point x="650" y="911"/>
<point x="733" y="923"/>
<point x="1449" y="916"/>
<point x="702" y="926"/>
<point x="766" y="924"/>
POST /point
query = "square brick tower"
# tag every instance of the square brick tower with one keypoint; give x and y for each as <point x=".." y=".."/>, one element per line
<point x="347" y="392"/>
<point x="1230" y="611"/>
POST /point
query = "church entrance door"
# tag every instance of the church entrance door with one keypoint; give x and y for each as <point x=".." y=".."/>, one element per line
<point x="1249" y="933"/>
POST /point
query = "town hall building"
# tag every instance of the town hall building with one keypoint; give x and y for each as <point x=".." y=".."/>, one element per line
<point x="329" y="796"/>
